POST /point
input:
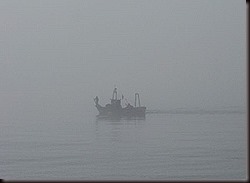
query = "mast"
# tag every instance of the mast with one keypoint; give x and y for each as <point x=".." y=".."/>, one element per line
<point x="137" y="97"/>
<point x="114" y="95"/>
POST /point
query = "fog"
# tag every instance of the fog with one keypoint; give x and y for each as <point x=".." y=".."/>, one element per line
<point x="56" y="56"/>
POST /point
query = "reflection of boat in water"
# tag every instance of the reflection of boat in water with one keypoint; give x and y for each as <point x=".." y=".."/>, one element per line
<point x="115" y="110"/>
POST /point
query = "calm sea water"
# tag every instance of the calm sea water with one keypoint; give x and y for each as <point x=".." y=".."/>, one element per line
<point x="165" y="146"/>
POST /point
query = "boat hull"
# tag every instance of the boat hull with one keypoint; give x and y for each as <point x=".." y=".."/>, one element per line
<point x="121" y="112"/>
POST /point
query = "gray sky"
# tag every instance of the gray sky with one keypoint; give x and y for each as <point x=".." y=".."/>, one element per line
<point x="57" y="56"/>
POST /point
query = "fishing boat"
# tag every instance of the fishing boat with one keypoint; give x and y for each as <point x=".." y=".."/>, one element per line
<point x="115" y="109"/>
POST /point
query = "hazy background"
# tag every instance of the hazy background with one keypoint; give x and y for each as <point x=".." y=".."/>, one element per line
<point x="56" y="56"/>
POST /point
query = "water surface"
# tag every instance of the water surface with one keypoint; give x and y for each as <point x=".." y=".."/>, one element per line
<point x="164" y="146"/>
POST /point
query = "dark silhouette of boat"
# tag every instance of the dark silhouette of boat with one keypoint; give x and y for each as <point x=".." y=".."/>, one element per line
<point x="115" y="110"/>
